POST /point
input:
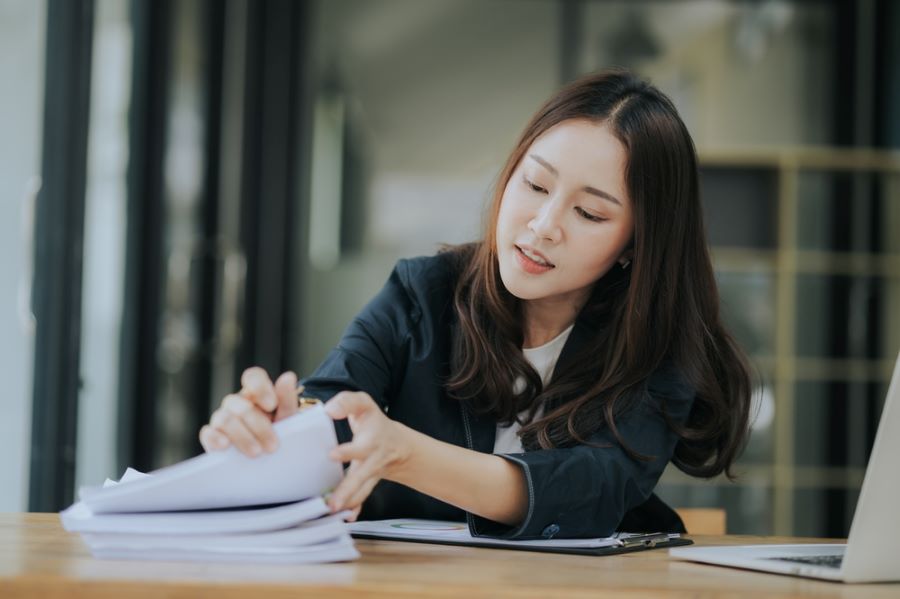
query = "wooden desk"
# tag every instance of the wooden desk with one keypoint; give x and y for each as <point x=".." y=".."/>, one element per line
<point x="39" y="559"/>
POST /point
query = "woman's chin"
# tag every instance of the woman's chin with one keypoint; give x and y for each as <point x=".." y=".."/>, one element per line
<point x="520" y="287"/>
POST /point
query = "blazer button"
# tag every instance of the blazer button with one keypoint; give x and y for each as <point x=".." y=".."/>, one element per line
<point x="550" y="531"/>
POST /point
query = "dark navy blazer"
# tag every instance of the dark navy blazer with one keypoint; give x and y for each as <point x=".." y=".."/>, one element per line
<point x="398" y="351"/>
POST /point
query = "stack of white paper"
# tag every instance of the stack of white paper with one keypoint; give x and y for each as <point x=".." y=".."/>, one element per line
<point x="225" y="506"/>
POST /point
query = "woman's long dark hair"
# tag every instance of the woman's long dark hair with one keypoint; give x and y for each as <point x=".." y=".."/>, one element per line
<point x="663" y="310"/>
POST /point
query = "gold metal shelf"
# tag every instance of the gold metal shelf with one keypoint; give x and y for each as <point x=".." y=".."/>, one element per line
<point x="858" y="264"/>
<point x="783" y="369"/>
<point x="811" y="368"/>
<point x="844" y="369"/>
<point x="802" y="157"/>
<point x="798" y="477"/>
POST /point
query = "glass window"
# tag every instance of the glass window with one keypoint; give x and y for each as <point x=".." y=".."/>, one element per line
<point x="748" y="308"/>
<point x="824" y="512"/>
<point x="840" y="316"/>
<point x="833" y="422"/>
<point x="740" y="206"/>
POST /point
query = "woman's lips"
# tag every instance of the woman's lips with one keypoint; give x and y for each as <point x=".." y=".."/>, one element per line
<point x="529" y="265"/>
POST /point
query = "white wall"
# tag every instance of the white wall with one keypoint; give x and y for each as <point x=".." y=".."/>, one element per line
<point x="436" y="94"/>
<point x="22" y="34"/>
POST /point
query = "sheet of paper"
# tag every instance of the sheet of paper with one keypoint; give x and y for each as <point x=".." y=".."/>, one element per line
<point x="457" y="532"/>
<point x="313" y="532"/>
<point x="339" y="550"/>
<point x="130" y="475"/>
<point x="299" y="469"/>
<point x="79" y="518"/>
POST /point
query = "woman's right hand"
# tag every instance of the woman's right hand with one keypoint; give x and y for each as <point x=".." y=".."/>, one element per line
<point x="245" y="418"/>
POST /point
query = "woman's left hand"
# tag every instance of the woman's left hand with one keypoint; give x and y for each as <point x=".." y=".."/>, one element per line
<point x="378" y="447"/>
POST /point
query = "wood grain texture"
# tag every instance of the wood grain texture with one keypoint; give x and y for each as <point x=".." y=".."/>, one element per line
<point x="39" y="559"/>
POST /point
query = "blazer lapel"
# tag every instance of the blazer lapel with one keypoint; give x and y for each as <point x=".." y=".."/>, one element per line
<point x="581" y="334"/>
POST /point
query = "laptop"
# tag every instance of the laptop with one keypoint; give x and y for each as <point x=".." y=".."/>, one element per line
<point x="871" y="553"/>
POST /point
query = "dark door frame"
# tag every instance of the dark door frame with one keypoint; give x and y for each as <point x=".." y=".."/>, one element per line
<point x="137" y="422"/>
<point x="59" y="231"/>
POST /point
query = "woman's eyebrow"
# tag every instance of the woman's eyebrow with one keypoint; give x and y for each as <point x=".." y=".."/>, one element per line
<point x="591" y="190"/>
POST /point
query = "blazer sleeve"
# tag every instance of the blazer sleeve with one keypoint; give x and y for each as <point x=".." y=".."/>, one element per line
<point x="371" y="349"/>
<point x="584" y="491"/>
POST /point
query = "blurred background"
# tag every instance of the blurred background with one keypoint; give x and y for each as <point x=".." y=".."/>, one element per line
<point x="190" y="187"/>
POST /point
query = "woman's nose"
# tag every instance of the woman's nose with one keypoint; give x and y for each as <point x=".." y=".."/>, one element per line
<point x="546" y="224"/>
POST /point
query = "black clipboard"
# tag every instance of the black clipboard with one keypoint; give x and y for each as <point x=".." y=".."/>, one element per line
<point x="627" y="543"/>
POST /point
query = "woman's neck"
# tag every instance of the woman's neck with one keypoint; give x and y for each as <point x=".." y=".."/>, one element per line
<point x="544" y="320"/>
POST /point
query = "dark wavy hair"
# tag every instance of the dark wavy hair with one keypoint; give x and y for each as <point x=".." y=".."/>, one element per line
<point x="662" y="310"/>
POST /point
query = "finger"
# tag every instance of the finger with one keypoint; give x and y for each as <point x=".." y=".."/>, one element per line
<point x="212" y="440"/>
<point x="256" y="421"/>
<point x="353" y="515"/>
<point x="356" y="500"/>
<point x="233" y="427"/>
<point x="347" y="403"/>
<point x="355" y="479"/>
<point x="352" y="498"/>
<point x="336" y="498"/>
<point x="347" y="452"/>
<point x="257" y="386"/>
<point x="286" y="394"/>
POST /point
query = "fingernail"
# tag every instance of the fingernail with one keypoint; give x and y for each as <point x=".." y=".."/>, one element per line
<point x="271" y="446"/>
<point x="254" y="450"/>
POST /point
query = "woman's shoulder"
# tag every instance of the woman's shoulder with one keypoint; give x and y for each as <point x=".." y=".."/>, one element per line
<point x="426" y="273"/>
<point x="427" y="283"/>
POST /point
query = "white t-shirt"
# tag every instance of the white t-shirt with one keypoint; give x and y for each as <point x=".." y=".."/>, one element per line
<point x="543" y="359"/>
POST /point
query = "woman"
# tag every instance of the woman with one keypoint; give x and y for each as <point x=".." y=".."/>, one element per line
<point x="538" y="382"/>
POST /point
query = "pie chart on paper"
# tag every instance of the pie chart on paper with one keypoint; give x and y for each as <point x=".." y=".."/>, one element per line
<point x="430" y="526"/>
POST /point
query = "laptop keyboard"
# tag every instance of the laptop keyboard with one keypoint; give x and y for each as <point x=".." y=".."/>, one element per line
<point x="829" y="561"/>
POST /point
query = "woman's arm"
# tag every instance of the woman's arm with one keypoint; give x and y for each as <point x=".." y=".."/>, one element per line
<point x="579" y="491"/>
<point x="364" y="360"/>
<point x="482" y="484"/>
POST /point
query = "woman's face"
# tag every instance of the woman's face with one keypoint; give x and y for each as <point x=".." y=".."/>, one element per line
<point x="565" y="216"/>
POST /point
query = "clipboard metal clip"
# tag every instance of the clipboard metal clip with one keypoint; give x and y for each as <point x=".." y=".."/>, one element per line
<point x="650" y="540"/>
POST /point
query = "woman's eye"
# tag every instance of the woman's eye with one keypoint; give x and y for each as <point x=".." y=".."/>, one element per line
<point x="591" y="217"/>
<point x="535" y="187"/>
